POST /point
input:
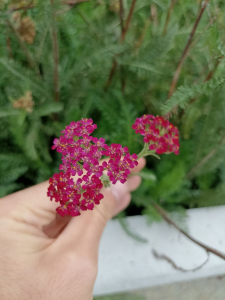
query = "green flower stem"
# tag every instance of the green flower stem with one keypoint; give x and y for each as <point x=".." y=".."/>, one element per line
<point x="145" y="152"/>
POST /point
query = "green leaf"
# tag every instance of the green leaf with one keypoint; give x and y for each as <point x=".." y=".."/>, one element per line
<point x="210" y="197"/>
<point x="170" y="182"/>
<point x="12" y="174"/>
<point x="185" y="93"/>
<point x="30" y="141"/>
<point x="152" y="154"/>
<point x="143" y="66"/>
<point x="147" y="175"/>
<point x="48" y="108"/>
<point x="8" y="112"/>
<point x="34" y="83"/>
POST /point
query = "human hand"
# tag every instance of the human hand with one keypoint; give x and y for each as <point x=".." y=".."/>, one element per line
<point x="59" y="262"/>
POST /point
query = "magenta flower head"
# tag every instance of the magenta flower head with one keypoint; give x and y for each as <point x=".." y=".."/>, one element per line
<point x="159" y="134"/>
<point x="81" y="157"/>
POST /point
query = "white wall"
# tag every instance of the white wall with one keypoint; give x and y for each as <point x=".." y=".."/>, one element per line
<point x="126" y="264"/>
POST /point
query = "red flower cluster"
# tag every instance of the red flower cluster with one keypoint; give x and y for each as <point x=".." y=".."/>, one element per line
<point x="118" y="169"/>
<point x="159" y="133"/>
<point x="80" y="151"/>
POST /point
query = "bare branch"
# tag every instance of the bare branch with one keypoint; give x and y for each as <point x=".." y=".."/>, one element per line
<point x="111" y="73"/>
<point x="56" y="55"/>
<point x="209" y="76"/>
<point x="174" y="265"/>
<point x="8" y="43"/>
<point x="123" y="35"/>
<point x="140" y="41"/>
<point x="204" y="30"/>
<point x="168" y="16"/>
<point x="165" y="216"/>
<point x="128" y="20"/>
<point x="186" y="49"/>
<point x="205" y="159"/>
<point x="72" y="3"/>
<point x="121" y="15"/>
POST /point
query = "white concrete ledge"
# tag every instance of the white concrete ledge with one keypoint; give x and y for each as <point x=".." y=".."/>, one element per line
<point x="126" y="264"/>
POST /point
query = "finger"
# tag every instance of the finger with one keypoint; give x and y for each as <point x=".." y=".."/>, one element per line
<point x="132" y="184"/>
<point x="122" y="204"/>
<point x="140" y="166"/>
<point x="31" y="205"/>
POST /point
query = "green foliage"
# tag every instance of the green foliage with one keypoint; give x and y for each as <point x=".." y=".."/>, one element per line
<point x="209" y="197"/>
<point x="185" y="93"/>
<point x="88" y="37"/>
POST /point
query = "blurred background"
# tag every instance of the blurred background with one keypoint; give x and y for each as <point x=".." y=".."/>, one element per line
<point x="113" y="61"/>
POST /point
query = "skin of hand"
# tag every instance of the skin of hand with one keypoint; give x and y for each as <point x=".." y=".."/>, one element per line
<point x="44" y="257"/>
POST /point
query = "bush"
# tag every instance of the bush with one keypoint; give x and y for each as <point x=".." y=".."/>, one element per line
<point x="66" y="60"/>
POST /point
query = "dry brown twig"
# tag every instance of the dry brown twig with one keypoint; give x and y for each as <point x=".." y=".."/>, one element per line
<point x="127" y="24"/>
<point x="121" y="15"/>
<point x="204" y="30"/>
<point x="153" y="17"/>
<point x="174" y="265"/>
<point x="205" y="158"/>
<point x="123" y="35"/>
<point x="56" y="55"/>
<point x="210" y="74"/>
<point x="140" y="41"/>
<point x="165" y="216"/>
<point x="72" y="3"/>
<point x="208" y="77"/>
<point x="186" y="49"/>
<point x="168" y="16"/>
<point x="9" y="48"/>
